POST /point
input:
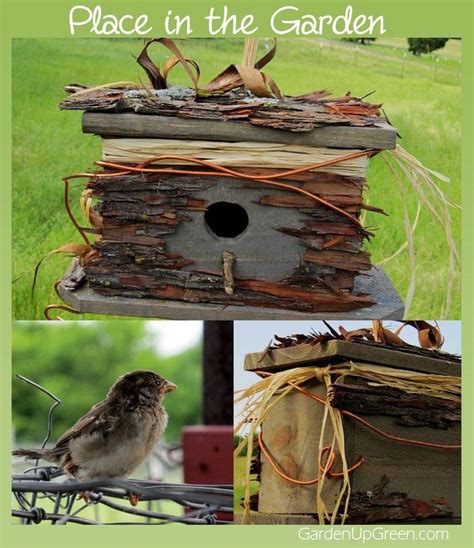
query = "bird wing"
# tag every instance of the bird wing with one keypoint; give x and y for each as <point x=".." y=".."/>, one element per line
<point x="101" y="418"/>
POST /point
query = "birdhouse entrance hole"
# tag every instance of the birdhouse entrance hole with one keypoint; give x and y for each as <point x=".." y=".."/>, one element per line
<point x="226" y="220"/>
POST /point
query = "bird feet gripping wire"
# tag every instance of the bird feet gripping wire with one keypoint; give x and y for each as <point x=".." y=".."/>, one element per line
<point x="133" y="499"/>
<point x="84" y="495"/>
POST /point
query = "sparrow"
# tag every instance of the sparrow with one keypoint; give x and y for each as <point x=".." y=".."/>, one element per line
<point x="116" y="435"/>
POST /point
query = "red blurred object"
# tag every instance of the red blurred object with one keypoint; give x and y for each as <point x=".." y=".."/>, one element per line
<point x="208" y="457"/>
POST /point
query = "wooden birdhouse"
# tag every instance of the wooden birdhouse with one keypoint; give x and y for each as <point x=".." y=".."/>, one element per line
<point x="403" y="446"/>
<point x="228" y="205"/>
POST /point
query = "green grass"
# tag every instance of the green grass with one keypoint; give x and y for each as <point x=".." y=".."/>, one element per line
<point x="239" y="483"/>
<point x="48" y="144"/>
<point x="452" y="51"/>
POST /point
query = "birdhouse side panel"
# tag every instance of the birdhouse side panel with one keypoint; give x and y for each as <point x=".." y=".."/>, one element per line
<point x="291" y="433"/>
<point x="393" y="479"/>
<point x="156" y="238"/>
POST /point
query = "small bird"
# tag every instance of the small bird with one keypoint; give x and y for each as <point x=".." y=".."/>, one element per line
<point x="116" y="435"/>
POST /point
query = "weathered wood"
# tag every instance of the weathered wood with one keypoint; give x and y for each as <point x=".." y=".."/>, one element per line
<point x="339" y="259"/>
<point x="192" y="286"/>
<point x="292" y="114"/>
<point x="380" y="135"/>
<point x="425" y="473"/>
<point x="261" y="518"/>
<point x="319" y="182"/>
<point x="291" y="431"/>
<point x="377" y="506"/>
<point x="291" y="435"/>
<point x="317" y="227"/>
<point x="351" y="203"/>
<point x="137" y="215"/>
<point x="154" y="239"/>
<point x="409" y="409"/>
<point x="338" y="351"/>
<point x="86" y="300"/>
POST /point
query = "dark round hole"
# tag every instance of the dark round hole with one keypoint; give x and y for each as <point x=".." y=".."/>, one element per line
<point x="226" y="220"/>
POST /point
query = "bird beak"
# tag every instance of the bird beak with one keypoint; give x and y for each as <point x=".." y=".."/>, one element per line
<point x="169" y="387"/>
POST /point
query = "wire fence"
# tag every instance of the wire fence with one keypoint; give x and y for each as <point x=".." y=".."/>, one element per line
<point x="31" y="489"/>
<point x="42" y="494"/>
<point x="399" y="64"/>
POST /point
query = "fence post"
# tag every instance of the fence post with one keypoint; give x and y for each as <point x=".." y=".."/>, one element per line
<point x="402" y="72"/>
<point x="436" y="69"/>
<point x="218" y="350"/>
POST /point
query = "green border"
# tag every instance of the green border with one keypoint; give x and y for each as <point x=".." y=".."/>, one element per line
<point x="49" y="18"/>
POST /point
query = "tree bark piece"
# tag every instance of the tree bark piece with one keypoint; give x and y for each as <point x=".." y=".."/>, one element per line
<point x="409" y="409"/>
<point x="136" y="215"/>
<point x="376" y="506"/>
<point x="291" y="115"/>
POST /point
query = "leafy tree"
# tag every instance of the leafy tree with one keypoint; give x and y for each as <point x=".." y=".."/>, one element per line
<point x="79" y="361"/>
<point x="417" y="46"/>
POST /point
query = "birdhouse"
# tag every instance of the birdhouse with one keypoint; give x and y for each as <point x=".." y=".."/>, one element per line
<point x="228" y="205"/>
<point x="402" y="445"/>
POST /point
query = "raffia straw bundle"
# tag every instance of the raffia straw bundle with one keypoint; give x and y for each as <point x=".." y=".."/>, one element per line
<point x="260" y="398"/>
<point x="239" y="154"/>
<point x="422" y="180"/>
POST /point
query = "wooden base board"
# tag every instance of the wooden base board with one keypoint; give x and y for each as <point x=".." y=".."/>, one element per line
<point x="376" y="284"/>
<point x="261" y="518"/>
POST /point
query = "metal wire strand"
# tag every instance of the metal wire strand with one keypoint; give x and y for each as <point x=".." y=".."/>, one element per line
<point x="35" y="484"/>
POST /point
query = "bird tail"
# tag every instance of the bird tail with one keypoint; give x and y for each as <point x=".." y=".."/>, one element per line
<point x="29" y="453"/>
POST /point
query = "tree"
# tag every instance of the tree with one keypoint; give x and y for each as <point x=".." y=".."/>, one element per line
<point x="364" y="40"/>
<point x="79" y="361"/>
<point x="417" y="46"/>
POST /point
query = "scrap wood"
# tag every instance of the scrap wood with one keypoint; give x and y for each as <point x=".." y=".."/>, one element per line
<point x="165" y="282"/>
<point x="244" y="80"/>
<point x="276" y="386"/>
<point x="430" y="338"/>
<point x="134" y="212"/>
<point x="289" y="114"/>
<point x="234" y="100"/>
<point x="409" y="409"/>
<point x="376" y="506"/>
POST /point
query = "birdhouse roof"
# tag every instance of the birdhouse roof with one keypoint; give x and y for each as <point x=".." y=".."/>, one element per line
<point x="314" y="119"/>
<point x="334" y="350"/>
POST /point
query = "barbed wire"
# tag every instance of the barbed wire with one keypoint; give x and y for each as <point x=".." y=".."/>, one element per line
<point x="38" y="487"/>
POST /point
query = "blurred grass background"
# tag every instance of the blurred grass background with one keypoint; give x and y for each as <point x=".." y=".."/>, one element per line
<point x="421" y="96"/>
<point x="78" y="362"/>
<point x="239" y="484"/>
